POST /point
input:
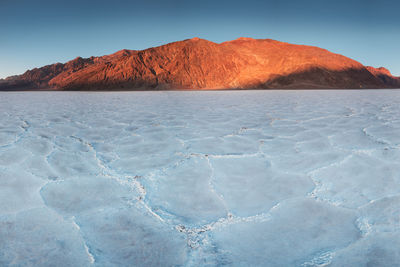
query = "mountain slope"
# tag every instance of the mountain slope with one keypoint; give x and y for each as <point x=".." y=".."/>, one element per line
<point x="200" y="64"/>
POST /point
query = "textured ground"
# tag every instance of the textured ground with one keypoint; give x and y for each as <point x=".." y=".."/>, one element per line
<point x="237" y="178"/>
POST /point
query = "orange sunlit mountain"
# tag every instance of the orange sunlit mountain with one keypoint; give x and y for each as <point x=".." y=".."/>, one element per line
<point x="243" y="63"/>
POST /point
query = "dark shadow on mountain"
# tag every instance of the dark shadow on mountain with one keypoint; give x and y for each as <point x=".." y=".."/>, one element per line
<point x="319" y="78"/>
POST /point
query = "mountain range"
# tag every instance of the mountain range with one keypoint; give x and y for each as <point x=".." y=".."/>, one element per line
<point x="244" y="63"/>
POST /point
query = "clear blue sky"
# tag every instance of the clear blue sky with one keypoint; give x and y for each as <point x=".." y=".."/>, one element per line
<point x="34" y="33"/>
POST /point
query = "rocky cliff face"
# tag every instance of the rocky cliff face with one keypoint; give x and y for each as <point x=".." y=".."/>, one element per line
<point x="385" y="76"/>
<point x="243" y="63"/>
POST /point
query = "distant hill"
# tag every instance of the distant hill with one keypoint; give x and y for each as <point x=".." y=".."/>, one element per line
<point x="243" y="63"/>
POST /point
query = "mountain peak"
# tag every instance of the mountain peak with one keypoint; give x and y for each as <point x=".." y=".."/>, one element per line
<point x="197" y="40"/>
<point x="245" y="39"/>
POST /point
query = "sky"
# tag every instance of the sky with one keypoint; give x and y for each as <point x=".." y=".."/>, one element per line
<point x="41" y="32"/>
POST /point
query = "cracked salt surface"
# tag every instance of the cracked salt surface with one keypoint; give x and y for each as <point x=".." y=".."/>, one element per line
<point x="235" y="178"/>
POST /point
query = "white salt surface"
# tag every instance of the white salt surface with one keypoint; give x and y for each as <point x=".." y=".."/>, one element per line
<point x="235" y="178"/>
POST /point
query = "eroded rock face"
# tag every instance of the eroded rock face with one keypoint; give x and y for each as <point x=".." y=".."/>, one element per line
<point x="196" y="63"/>
<point x="385" y="76"/>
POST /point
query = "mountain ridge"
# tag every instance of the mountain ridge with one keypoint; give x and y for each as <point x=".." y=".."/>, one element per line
<point x="243" y="63"/>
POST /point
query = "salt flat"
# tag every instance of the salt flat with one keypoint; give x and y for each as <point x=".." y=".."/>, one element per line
<point x="236" y="178"/>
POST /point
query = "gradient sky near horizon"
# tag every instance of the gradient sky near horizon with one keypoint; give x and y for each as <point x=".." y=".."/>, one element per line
<point x="41" y="32"/>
